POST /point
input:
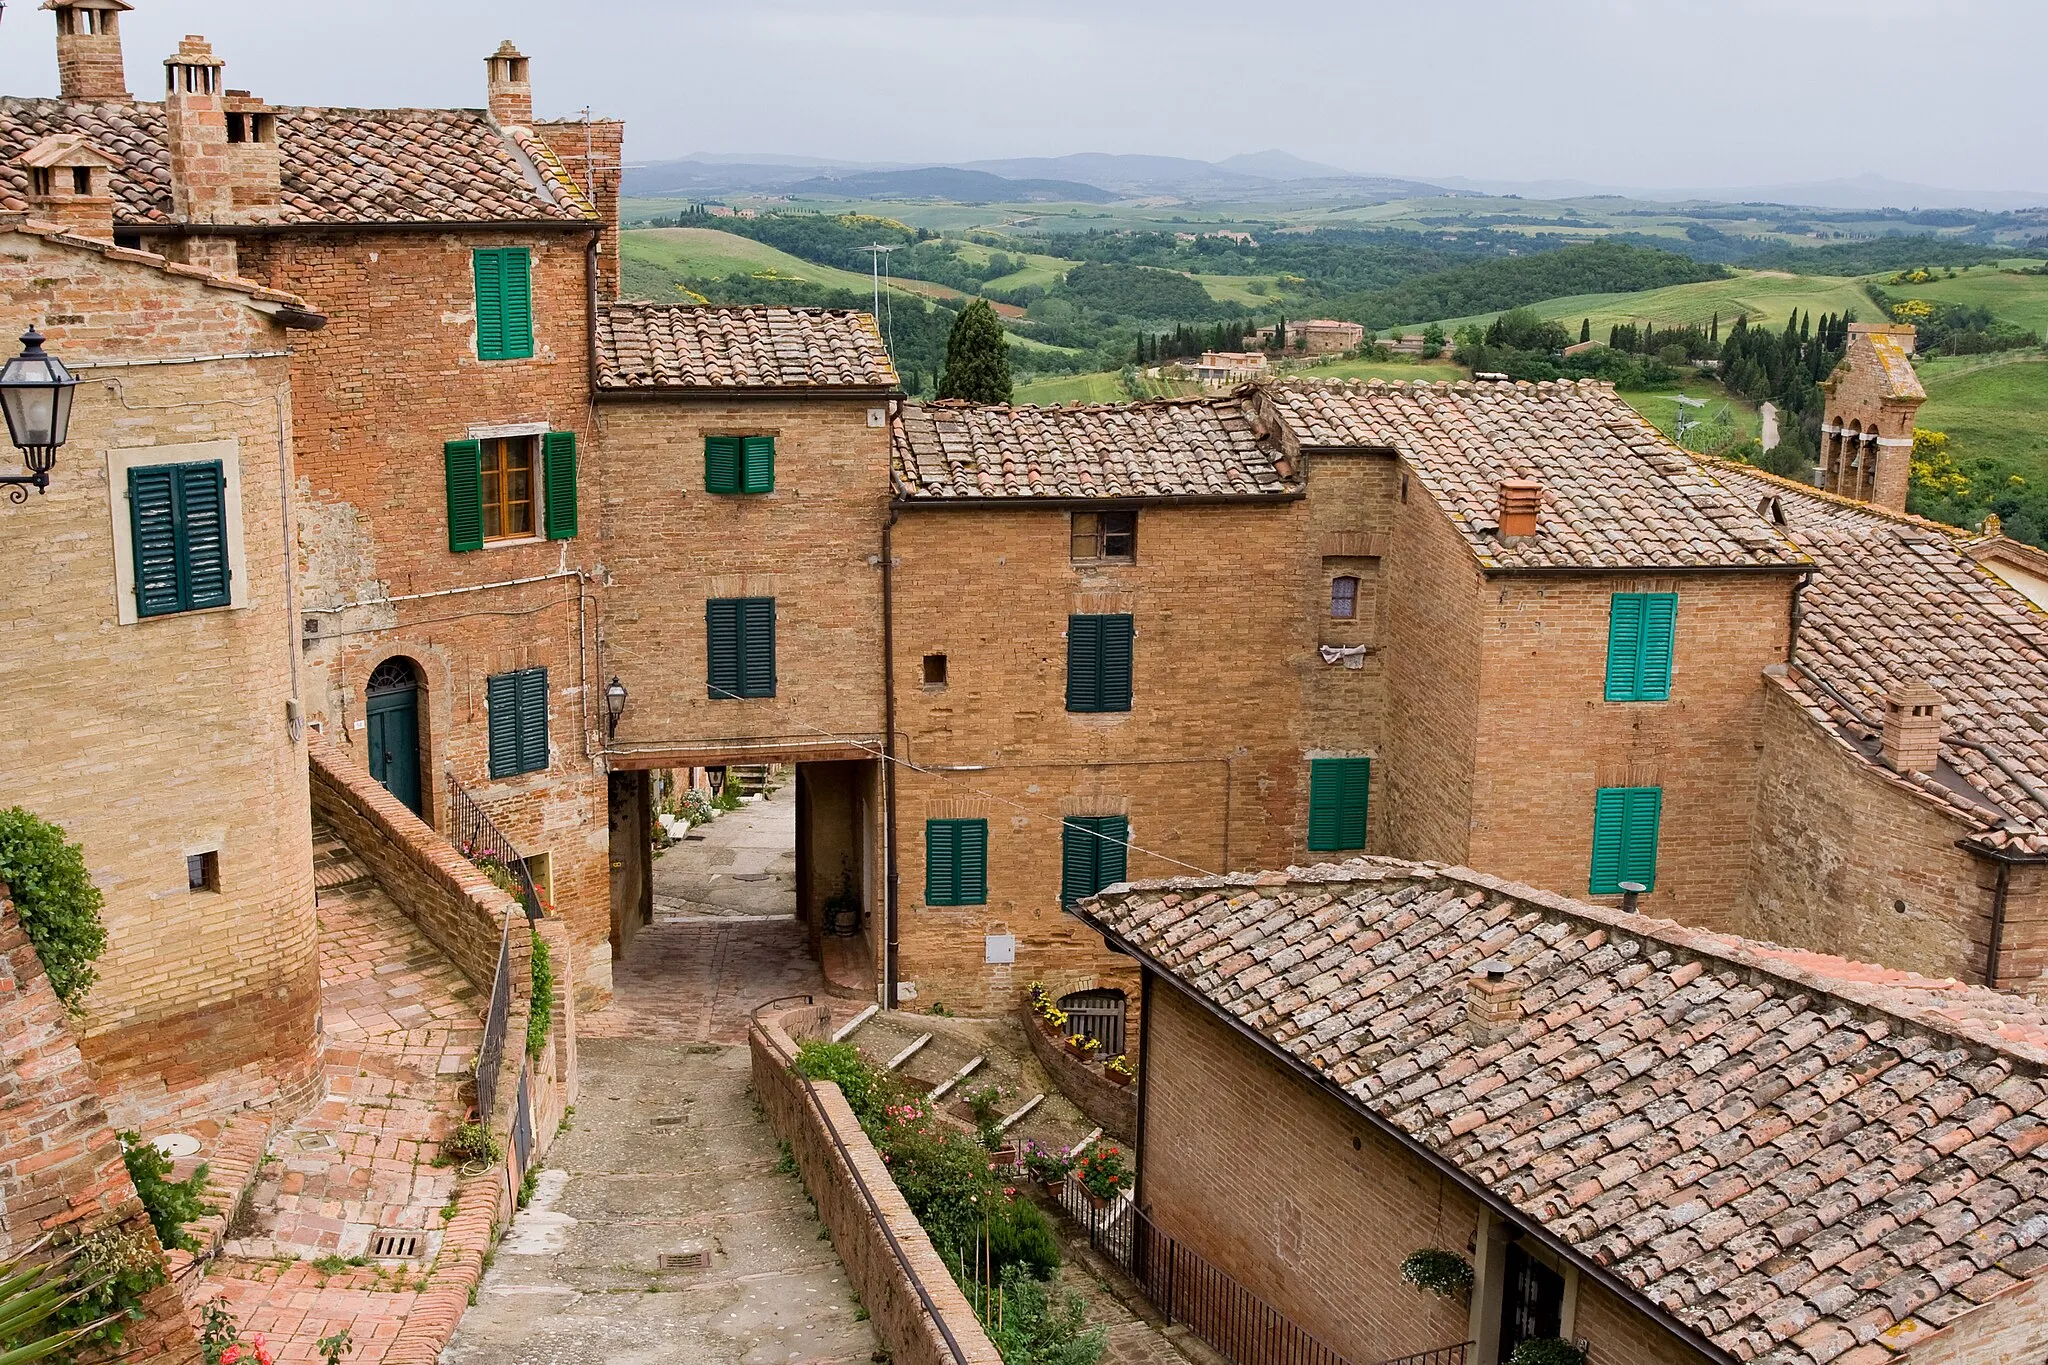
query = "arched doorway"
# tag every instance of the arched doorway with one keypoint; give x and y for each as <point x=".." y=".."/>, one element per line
<point x="392" y="714"/>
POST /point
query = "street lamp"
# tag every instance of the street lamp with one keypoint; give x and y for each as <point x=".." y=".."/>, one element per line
<point x="614" y="705"/>
<point x="35" y="392"/>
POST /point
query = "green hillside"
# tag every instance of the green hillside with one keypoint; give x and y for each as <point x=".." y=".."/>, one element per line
<point x="1991" y="406"/>
<point x="706" y="253"/>
<point x="1767" y="296"/>
<point x="2019" y="299"/>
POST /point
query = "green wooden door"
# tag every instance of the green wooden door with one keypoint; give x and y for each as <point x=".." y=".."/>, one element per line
<point x="394" y="729"/>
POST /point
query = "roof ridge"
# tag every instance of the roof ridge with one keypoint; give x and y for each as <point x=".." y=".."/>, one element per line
<point x="1875" y="511"/>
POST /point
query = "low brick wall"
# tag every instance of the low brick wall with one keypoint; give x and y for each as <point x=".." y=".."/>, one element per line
<point x="480" y="1202"/>
<point x="888" y="1294"/>
<point x="1111" y="1107"/>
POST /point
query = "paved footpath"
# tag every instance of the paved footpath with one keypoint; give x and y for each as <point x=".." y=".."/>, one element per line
<point x="742" y="863"/>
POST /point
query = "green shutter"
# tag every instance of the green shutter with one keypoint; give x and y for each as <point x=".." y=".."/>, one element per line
<point x="721" y="464"/>
<point x="153" y="520"/>
<point x="1115" y="685"/>
<point x="558" y="482"/>
<point x="970" y="885"/>
<point x="501" y="702"/>
<point x="941" y="862"/>
<point x="1110" y="852"/>
<point x="1337" y="791"/>
<point x="1660" y="626"/>
<point x="518" y="303"/>
<point x="1077" y="859"/>
<point x="489" y="264"/>
<point x="1624" y="645"/>
<point x="722" y="648"/>
<point x="465" y="494"/>
<point x="757" y="646"/>
<point x="1625" y="827"/>
<point x="757" y="464"/>
<point x="1084" y="663"/>
<point x="203" y="534"/>
<point x="533" y="719"/>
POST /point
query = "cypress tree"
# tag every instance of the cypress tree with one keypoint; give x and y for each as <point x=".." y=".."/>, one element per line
<point x="977" y="357"/>
<point x="1714" y="332"/>
<point x="1586" y="330"/>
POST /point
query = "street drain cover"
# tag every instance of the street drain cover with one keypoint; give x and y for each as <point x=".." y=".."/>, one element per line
<point x="668" y="1120"/>
<point x="751" y="876"/>
<point x="395" y="1246"/>
<point x="175" y="1145"/>
<point x="695" y="1256"/>
<point x="313" y="1142"/>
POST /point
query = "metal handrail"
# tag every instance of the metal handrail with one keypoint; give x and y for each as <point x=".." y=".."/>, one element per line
<point x="1442" y="1355"/>
<point x="491" y="1055"/>
<point x="472" y="830"/>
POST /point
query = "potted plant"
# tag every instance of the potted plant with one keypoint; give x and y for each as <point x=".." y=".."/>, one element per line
<point x="1119" y="1070"/>
<point x="1082" y="1046"/>
<point x="1102" y="1174"/>
<point x="1051" y="1017"/>
<point x="982" y="1104"/>
<point x="1047" y="1165"/>
<point x="1002" y="1153"/>
<point x="1547" y="1351"/>
<point x="1445" y="1274"/>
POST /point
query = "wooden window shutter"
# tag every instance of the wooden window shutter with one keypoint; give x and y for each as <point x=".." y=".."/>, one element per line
<point x="721" y="464"/>
<point x="1624" y="646"/>
<point x="1337" y="789"/>
<point x="558" y="481"/>
<point x="1625" y="828"/>
<point x="1111" y="856"/>
<point x="757" y="646"/>
<point x="518" y="312"/>
<point x="1114" y="690"/>
<point x="1077" y="859"/>
<point x="533" y="719"/>
<point x="1660" y="626"/>
<point x="757" y="464"/>
<point x="501" y="702"/>
<point x="970" y="884"/>
<point x="941" y="862"/>
<point x="1645" y="814"/>
<point x="203" y="534"/>
<point x="153" y="519"/>
<point x="489" y="264"/>
<point x="722" y="648"/>
<point x="464" y="460"/>
<point x="1084" y="663"/>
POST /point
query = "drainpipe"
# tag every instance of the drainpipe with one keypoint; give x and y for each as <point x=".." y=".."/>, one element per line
<point x="1144" y="1070"/>
<point x="889" y="767"/>
<point x="1997" y="945"/>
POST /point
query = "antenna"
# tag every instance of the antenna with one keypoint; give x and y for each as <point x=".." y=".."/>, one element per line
<point x="878" y="253"/>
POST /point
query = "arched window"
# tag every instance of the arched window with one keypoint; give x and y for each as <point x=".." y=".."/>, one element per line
<point x="1344" y="597"/>
<point x="1098" y="1015"/>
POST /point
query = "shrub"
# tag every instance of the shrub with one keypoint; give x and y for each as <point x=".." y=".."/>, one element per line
<point x="541" y="1011"/>
<point x="1547" y="1351"/>
<point x="31" y="1296"/>
<point x="473" y="1142"/>
<point x="1043" y="1327"/>
<point x="58" y="904"/>
<point x="1101" y="1171"/>
<point x="942" y="1172"/>
<point x="982" y="1103"/>
<point x="170" y="1203"/>
<point x="1016" y="1233"/>
<point x="728" y="797"/>
<point x="117" y="1270"/>
<point x="1443" y="1273"/>
<point x="1045" y="1164"/>
<point x="866" y="1089"/>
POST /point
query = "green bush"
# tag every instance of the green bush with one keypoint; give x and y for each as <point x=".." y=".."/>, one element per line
<point x="1443" y="1273"/>
<point x="170" y="1203"/>
<point x="117" y="1270"/>
<point x="58" y="904"/>
<point x="1017" y="1234"/>
<point x="1547" y="1351"/>
<point x="1042" y="1327"/>
<point x="472" y="1142"/>
<point x="865" y="1088"/>
<point x="943" y="1174"/>
<point x="541" y="1012"/>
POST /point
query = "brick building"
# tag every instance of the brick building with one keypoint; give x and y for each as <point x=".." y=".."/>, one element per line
<point x="152" y="672"/>
<point x="1662" y="1144"/>
<point x="1867" y="424"/>
<point x="447" y="619"/>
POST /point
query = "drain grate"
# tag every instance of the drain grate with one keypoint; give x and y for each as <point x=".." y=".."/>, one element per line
<point x="395" y="1246"/>
<point x="669" y="1120"/>
<point x="752" y="876"/>
<point x="689" y="1258"/>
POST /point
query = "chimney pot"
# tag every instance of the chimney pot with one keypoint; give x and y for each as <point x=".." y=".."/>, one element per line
<point x="1493" y="1004"/>
<point x="70" y="183"/>
<point x="1520" y="502"/>
<point x="510" y="86"/>
<point x="1912" y="728"/>
<point x="89" y="65"/>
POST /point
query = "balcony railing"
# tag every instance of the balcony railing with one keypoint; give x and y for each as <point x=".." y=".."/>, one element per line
<point x="483" y="843"/>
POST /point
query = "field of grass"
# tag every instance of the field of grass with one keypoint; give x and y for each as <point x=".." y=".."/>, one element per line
<point x="1418" y="371"/>
<point x="709" y="252"/>
<point x="1660" y="405"/>
<point x="2019" y="299"/>
<point x="1991" y="406"/>
<point x="1766" y="296"/>
<point x="1043" y="271"/>
<point x="1101" y="387"/>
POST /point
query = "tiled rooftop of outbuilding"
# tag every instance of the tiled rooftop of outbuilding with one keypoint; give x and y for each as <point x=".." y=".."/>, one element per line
<point x="1792" y="1155"/>
<point x="658" y="346"/>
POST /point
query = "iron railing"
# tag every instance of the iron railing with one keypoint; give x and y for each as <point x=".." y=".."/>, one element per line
<point x="492" y="1053"/>
<point x="522" y="1125"/>
<point x="470" y="829"/>
<point x="1187" y="1289"/>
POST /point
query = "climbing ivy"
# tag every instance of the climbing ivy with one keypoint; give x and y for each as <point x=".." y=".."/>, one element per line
<point x="58" y="904"/>
<point x="542" y="1009"/>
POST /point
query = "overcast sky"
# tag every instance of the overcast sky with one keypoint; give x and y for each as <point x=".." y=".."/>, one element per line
<point x="1635" y="92"/>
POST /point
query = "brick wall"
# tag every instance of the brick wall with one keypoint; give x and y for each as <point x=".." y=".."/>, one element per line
<point x="827" y="1170"/>
<point x="2011" y="1328"/>
<point x="60" y="1159"/>
<point x="166" y="737"/>
<point x="593" y="153"/>
<point x="1838" y="847"/>
<point x="1312" y="1209"/>
<point x="392" y="378"/>
<point x="1111" y="1107"/>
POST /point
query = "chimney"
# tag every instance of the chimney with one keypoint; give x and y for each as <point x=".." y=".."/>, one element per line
<point x="593" y="152"/>
<point x="70" y="184"/>
<point x="196" y="134"/>
<point x="511" y="89"/>
<point x="1520" y="501"/>
<point x="1493" y="1004"/>
<point x="89" y="63"/>
<point x="1912" y="728"/>
<point x="255" y="175"/>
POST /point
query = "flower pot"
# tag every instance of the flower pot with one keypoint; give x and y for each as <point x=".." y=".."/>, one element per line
<point x="1116" y="1078"/>
<point x="1003" y="1157"/>
<point x="1079" y="1051"/>
<point x="1055" y="1187"/>
<point x="1096" y="1201"/>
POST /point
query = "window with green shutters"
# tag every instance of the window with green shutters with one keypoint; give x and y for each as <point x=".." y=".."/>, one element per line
<point x="1336" y="803"/>
<point x="1625" y="823"/>
<point x="178" y="517"/>
<point x="504" y="303"/>
<point x="463" y="469"/>
<point x="1092" y="854"/>
<point x="1099" y="662"/>
<point x="956" y="862"/>
<point x="739" y="647"/>
<point x="518" y="707"/>
<point x="739" y="464"/>
<point x="558" y="483"/>
<point x="1640" y="631"/>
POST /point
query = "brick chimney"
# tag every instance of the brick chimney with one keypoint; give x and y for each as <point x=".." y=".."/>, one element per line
<point x="593" y="153"/>
<point x="255" y="175"/>
<point x="1912" y="728"/>
<point x="511" y="86"/>
<point x="70" y="184"/>
<point x="1520" y="501"/>
<point x="202" y="173"/>
<point x="1493" y="1004"/>
<point x="89" y="63"/>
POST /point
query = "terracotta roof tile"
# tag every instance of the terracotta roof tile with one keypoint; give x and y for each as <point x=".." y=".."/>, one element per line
<point x="339" y="165"/>
<point x="1895" y="600"/>
<point x="57" y="233"/>
<point x="1616" y="494"/>
<point x="1194" y="447"/>
<point x="1785" y="1151"/>
<point x="650" y="346"/>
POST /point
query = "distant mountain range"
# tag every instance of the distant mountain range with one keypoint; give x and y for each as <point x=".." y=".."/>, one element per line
<point x="1100" y="177"/>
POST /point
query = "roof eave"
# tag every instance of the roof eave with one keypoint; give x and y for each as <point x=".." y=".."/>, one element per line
<point x="960" y="503"/>
<point x="590" y="225"/>
<point x="755" y="391"/>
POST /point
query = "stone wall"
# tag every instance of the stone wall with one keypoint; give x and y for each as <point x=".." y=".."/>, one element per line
<point x="60" y="1159"/>
<point x="156" y="739"/>
<point x="828" y="1172"/>
<point x="1111" y="1107"/>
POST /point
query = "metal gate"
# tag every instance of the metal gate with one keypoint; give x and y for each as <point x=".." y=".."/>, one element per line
<point x="1098" y="1015"/>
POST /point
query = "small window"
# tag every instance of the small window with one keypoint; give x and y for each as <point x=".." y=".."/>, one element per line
<point x="131" y="240"/>
<point x="1344" y="597"/>
<point x="202" y="872"/>
<point x="934" y="670"/>
<point x="517" y="704"/>
<point x="81" y="180"/>
<point x="508" y="487"/>
<point x="238" y="127"/>
<point x="39" y="181"/>
<point x="1105" y="535"/>
<point x="739" y="464"/>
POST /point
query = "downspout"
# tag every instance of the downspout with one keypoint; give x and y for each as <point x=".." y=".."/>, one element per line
<point x="891" y="881"/>
<point x="590" y="303"/>
<point x="1145" y="975"/>
<point x="1997" y="945"/>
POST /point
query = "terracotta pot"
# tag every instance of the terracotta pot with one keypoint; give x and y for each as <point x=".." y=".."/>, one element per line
<point x="1114" y="1078"/>
<point x="1095" y="1201"/>
<point x="1004" y="1157"/>
<point x="1078" y="1051"/>
<point x="1056" y="1186"/>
